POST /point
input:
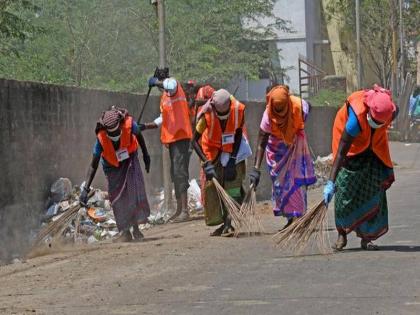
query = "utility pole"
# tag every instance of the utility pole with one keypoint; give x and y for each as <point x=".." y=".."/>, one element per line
<point x="359" y="57"/>
<point x="392" y="7"/>
<point x="162" y="48"/>
<point x="162" y="64"/>
<point x="402" y="58"/>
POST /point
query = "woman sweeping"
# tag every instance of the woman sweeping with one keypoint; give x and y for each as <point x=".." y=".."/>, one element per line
<point x="290" y="165"/>
<point x="362" y="169"/>
<point x="118" y="138"/>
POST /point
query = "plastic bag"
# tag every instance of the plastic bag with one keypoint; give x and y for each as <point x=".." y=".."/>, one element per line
<point x="61" y="190"/>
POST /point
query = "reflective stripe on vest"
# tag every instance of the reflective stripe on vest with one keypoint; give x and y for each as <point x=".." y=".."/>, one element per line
<point x="378" y="142"/>
<point x="127" y="141"/>
<point x="212" y="136"/>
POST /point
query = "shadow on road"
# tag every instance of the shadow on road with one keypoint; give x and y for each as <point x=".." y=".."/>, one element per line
<point x="389" y="248"/>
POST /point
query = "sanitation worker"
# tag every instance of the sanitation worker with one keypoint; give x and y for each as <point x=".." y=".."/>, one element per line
<point x="221" y="144"/>
<point x="117" y="139"/>
<point x="362" y="170"/>
<point x="176" y="134"/>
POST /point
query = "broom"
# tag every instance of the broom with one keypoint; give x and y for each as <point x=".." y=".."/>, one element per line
<point x="310" y="229"/>
<point x="57" y="227"/>
<point x="251" y="219"/>
<point x="232" y="206"/>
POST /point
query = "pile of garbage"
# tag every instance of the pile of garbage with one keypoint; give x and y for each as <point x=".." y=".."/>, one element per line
<point x="97" y="222"/>
<point x="323" y="167"/>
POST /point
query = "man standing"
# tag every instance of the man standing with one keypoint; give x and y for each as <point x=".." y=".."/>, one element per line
<point x="176" y="134"/>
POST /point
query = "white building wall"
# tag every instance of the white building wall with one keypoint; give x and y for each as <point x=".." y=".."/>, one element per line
<point x="292" y="44"/>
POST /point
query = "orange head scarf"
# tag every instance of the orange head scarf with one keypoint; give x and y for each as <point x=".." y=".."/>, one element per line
<point x="280" y="113"/>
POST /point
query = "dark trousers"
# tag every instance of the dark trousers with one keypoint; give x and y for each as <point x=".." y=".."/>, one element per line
<point x="180" y="160"/>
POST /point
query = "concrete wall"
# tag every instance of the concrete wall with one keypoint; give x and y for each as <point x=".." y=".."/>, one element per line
<point x="47" y="131"/>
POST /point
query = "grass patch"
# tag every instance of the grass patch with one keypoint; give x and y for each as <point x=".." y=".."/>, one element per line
<point x="328" y="98"/>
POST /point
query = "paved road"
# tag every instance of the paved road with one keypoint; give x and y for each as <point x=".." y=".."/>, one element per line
<point x="180" y="270"/>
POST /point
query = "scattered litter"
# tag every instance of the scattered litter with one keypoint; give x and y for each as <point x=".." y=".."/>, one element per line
<point x="97" y="222"/>
<point x="61" y="189"/>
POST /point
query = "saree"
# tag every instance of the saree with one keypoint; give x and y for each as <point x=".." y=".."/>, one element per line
<point x="360" y="198"/>
<point x="291" y="169"/>
<point x="127" y="193"/>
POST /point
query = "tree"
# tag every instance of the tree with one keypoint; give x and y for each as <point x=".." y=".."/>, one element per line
<point x="14" y="28"/>
<point x="112" y="44"/>
<point x="376" y="31"/>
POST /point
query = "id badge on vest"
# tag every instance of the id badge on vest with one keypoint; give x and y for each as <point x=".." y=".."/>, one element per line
<point x="122" y="154"/>
<point x="228" y="138"/>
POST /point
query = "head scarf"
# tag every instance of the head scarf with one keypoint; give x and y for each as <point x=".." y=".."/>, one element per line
<point x="204" y="93"/>
<point x="111" y="119"/>
<point x="280" y="113"/>
<point x="379" y="101"/>
<point x="221" y="101"/>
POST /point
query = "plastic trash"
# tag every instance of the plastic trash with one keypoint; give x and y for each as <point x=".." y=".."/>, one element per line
<point x="97" y="200"/>
<point x="91" y="239"/>
<point x="97" y="214"/>
<point x="53" y="210"/>
<point x="61" y="190"/>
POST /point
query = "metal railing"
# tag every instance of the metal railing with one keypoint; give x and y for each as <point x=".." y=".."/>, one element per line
<point x="310" y="76"/>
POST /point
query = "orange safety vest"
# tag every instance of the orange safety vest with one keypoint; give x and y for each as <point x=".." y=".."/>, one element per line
<point x="211" y="142"/>
<point x="364" y="140"/>
<point x="176" y="123"/>
<point x="127" y="141"/>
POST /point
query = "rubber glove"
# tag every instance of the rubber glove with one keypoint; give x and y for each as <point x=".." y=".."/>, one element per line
<point x="146" y="160"/>
<point x="152" y="81"/>
<point x="229" y="171"/>
<point x="254" y="177"/>
<point x="83" y="199"/>
<point x="209" y="170"/>
<point x="329" y="190"/>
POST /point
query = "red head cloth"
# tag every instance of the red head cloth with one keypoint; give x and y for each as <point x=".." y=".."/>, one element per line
<point x="204" y="93"/>
<point x="379" y="101"/>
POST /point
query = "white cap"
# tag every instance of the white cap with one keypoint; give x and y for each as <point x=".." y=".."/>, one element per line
<point x="170" y="85"/>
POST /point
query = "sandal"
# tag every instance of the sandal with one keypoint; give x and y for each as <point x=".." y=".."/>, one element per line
<point x="340" y="243"/>
<point x="218" y="231"/>
<point x="228" y="231"/>
<point x="368" y="245"/>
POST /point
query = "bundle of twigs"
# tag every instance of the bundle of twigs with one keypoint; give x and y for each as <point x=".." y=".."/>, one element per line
<point x="232" y="207"/>
<point x="310" y="229"/>
<point x="251" y="219"/>
<point x="57" y="227"/>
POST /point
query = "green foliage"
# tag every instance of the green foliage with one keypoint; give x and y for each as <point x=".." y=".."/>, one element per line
<point x="376" y="30"/>
<point x="113" y="44"/>
<point x="326" y="97"/>
<point x="14" y="26"/>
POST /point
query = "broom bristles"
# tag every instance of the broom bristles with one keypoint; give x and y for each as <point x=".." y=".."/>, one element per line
<point x="251" y="218"/>
<point x="57" y="227"/>
<point x="310" y="229"/>
<point x="232" y="207"/>
<point x="244" y="217"/>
